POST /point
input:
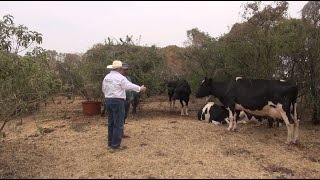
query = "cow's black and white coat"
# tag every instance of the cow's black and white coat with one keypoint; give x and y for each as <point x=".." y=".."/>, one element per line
<point x="213" y="113"/>
<point x="217" y="114"/>
<point x="272" y="98"/>
<point x="181" y="90"/>
<point x="271" y="122"/>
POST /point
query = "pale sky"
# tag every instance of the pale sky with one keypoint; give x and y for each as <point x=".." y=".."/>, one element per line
<point x="74" y="27"/>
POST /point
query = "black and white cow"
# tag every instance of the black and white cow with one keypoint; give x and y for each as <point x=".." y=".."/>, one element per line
<point x="217" y="114"/>
<point x="271" y="122"/>
<point x="181" y="90"/>
<point x="272" y="98"/>
<point x="213" y="113"/>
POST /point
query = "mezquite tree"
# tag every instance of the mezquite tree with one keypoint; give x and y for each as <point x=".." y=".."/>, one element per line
<point x="311" y="20"/>
<point x="16" y="39"/>
<point x="27" y="80"/>
<point x="250" y="49"/>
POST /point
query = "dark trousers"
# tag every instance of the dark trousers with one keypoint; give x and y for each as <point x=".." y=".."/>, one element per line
<point x="126" y="107"/>
<point x="116" y="112"/>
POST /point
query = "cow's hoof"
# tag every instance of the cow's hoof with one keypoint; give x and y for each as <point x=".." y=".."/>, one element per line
<point x="289" y="142"/>
<point x="228" y="129"/>
<point x="234" y="130"/>
<point x="295" y="142"/>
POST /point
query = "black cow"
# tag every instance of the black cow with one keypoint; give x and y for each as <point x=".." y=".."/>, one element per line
<point x="260" y="97"/>
<point x="181" y="90"/>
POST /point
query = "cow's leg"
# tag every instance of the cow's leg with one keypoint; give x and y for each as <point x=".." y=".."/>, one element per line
<point x="182" y="111"/>
<point x="172" y="104"/>
<point x="227" y="120"/>
<point x="231" y="119"/>
<point x="234" y="122"/>
<point x="296" y="124"/>
<point x="285" y="118"/>
<point x="295" y="130"/>
<point x="183" y="107"/>
<point x="293" y="121"/>
<point x="186" y="110"/>
<point x="289" y="127"/>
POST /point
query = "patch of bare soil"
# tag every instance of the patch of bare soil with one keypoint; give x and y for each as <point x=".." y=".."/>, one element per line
<point x="59" y="142"/>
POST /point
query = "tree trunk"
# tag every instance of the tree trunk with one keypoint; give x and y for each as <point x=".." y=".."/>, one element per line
<point x="316" y="113"/>
<point x="316" y="99"/>
<point x="316" y="104"/>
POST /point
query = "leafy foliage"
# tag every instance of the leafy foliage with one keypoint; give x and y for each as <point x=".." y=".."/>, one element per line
<point x="311" y="21"/>
<point x="13" y="38"/>
<point x="25" y="81"/>
<point x="147" y="64"/>
<point x="266" y="45"/>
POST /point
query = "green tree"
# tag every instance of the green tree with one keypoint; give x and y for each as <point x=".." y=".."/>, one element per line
<point x="311" y="20"/>
<point x="147" y="64"/>
<point x="67" y="66"/>
<point x="27" y="80"/>
<point x="203" y="56"/>
<point x="16" y="39"/>
<point x="249" y="46"/>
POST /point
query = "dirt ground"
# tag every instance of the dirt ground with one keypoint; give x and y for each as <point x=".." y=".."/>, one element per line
<point x="60" y="142"/>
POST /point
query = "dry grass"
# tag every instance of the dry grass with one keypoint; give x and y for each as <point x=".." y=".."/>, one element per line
<point x="59" y="142"/>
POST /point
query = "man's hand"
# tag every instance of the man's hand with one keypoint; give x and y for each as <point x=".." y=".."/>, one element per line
<point x="143" y="88"/>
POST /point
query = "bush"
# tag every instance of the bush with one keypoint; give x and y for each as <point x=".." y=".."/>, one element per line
<point x="25" y="82"/>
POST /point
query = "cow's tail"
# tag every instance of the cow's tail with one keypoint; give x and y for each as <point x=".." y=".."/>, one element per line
<point x="294" y="103"/>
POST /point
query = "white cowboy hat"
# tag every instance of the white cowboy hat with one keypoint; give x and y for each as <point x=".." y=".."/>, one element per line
<point x="115" y="65"/>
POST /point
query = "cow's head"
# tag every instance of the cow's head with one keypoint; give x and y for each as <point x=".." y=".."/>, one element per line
<point x="171" y="85"/>
<point x="205" y="88"/>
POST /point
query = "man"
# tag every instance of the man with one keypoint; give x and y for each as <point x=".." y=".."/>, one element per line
<point x="129" y="96"/>
<point x="114" y="87"/>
